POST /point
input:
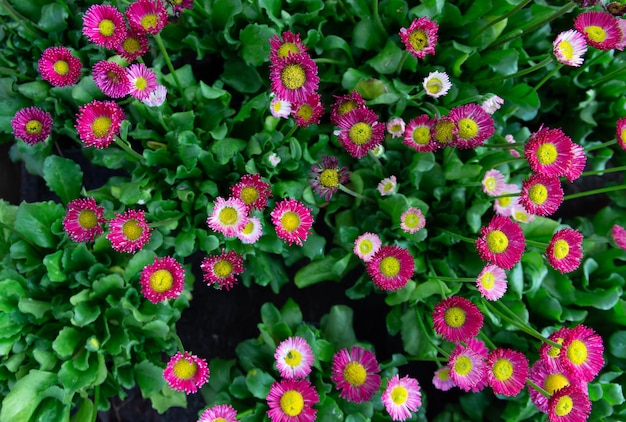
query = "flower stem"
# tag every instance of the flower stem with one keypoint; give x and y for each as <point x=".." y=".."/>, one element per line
<point x="601" y="146"/>
<point x="168" y="62"/>
<point x="377" y="17"/>
<point x="536" y="244"/>
<point x="353" y="193"/>
<point x="505" y="145"/>
<point x="548" y="76"/>
<point x="594" y="192"/>
<point x="31" y="28"/>
<point x="523" y="72"/>
<point x="487" y="340"/>
<point x="504" y="16"/>
<point x="179" y="343"/>
<point x="460" y="279"/>
<point x="96" y="399"/>
<point x="609" y="170"/>
<point x="430" y="340"/>
<point x="510" y="160"/>
<point x="331" y="61"/>
<point x="292" y="130"/>
<point x="608" y="76"/>
<point x="536" y="387"/>
<point x="458" y="236"/>
<point x="126" y="147"/>
<point x="405" y="56"/>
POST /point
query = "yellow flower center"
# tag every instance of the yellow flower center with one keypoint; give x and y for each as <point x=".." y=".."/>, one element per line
<point x="355" y="374"/>
<point x="87" y="219"/>
<point x="100" y="126"/>
<point x="595" y="33"/>
<point x="131" y="45"/>
<point x="222" y="268"/>
<point x="131" y="230"/>
<point x="467" y="128"/>
<point x="546" y="154"/>
<point x="396" y="127"/>
<point x="218" y="419"/>
<point x="490" y="183"/>
<point x="554" y="382"/>
<point x="293" y="76"/>
<point x="399" y="395"/>
<point x="488" y="280"/>
<point x="622" y="136"/>
<point x="412" y="220"/>
<point x="463" y="365"/>
<point x="421" y="135"/>
<point x="553" y="352"/>
<point x="149" y="21"/>
<point x="106" y="27"/>
<point x="388" y="187"/>
<point x="497" y="242"/>
<point x="360" y="133"/>
<point x="577" y="352"/>
<point x="161" y="281"/>
<point x="290" y="221"/>
<point x="444" y="131"/>
<point x="418" y="40"/>
<point x="365" y="246"/>
<point x="249" y="194"/>
<point x="33" y="127"/>
<point x="561" y="249"/>
<point x="184" y="369"/>
<point x="228" y="216"/>
<point x="61" y="67"/>
<point x="141" y="83"/>
<point x="564" y="406"/>
<point x="502" y="369"/>
<point x="286" y="48"/>
<point x="346" y="107"/>
<point x="293" y="358"/>
<point x="566" y="49"/>
<point x="292" y="403"/>
<point x="248" y="228"/>
<point x="305" y="111"/>
<point x="434" y="85"/>
<point x="504" y="202"/>
<point x="389" y="266"/>
<point x="444" y="375"/>
<point x="538" y="193"/>
<point x="454" y="317"/>
<point x="329" y="178"/>
<point x="113" y="77"/>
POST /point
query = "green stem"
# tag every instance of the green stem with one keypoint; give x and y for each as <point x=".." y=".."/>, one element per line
<point x="460" y="279"/>
<point x="540" y="245"/>
<point x="96" y="399"/>
<point x="126" y="147"/>
<point x="197" y="7"/>
<point x="168" y="62"/>
<point x="427" y="359"/>
<point x="594" y="192"/>
<point x="505" y="145"/>
<point x="536" y="387"/>
<point x="458" y="236"/>
<point x="601" y="146"/>
<point x="179" y="343"/>
<point x="331" y="61"/>
<point x="291" y="131"/>
<point x="377" y="17"/>
<point x="427" y="334"/>
<point x="510" y="160"/>
<point x="405" y="56"/>
<point x="504" y="16"/>
<point x="347" y="12"/>
<point x="241" y="415"/>
<point x="353" y="193"/>
<point x="526" y="71"/>
<point x="609" y="170"/>
<point x="547" y="76"/>
<point x="28" y="26"/>
<point x="487" y="340"/>
<point x="608" y="76"/>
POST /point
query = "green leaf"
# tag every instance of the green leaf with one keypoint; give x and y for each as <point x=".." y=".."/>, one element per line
<point x="259" y="383"/>
<point x="523" y="99"/>
<point x="24" y="397"/>
<point x="316" y="272"/>
<point x="225" y="149"/>
<point x="36" y="91"/>
<point x="149" y="378"/>
<point x="84" y="412"/>
<point x="241" y="77"/>
<point x="617" y="344"/>
<point x="337" y="326"/>
<point x="167" y="398"/>
<point x="256" y="47"/>
<point x="185" y="243"/>
<point x="34" y="307"/>
<point x="85" y="313"/>
<point x="54" y="267"/>
<point x="138" y="262"/>
<point x="366" y="35"/>
<point x="387" y="60"/>
<point x="223" y="13"/>
<point x="34" y="220"/>
<point x="53" y="17"/>
<point x="291" y="314"/>
<point x="107" y="284"/>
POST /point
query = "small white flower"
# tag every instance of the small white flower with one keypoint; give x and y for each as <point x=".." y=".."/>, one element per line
<point x="387" y="186"/>
<point x="396" y="127"/>
<point x="274" y="159"/>
<point x="492" y="104"/>
<point x="437" y="84"/>
<point x="378" y="151"/>
<point x="157" y="97"/>
<point x="280" y="108"/>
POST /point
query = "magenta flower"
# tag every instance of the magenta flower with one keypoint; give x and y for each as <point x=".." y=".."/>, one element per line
<point x="222" y="269"/>
<point x="569" y="404"/>
<point x="228" y="217"/>
<point x="142" y="81"/>
<point x="549" y="152"/>
<point x="129" y="232"/>
<point x="541" y="195"/>
<point x="294" y="77"/>
<point x="147" y="16"/>
<point x="162" y="280"/>
<point x="294" y="358"/>
<point x="491" y="282"/>
<point x="343" y="105"/>
<point x="32" y="125"/>
<point x="457" y="319"/>
<point x="355" y="374"/>
<point x="309" y="111"/>
<point x="507" y="371"/>
<point x="326" y="176"/>
<point x="98" y="122"/>
<point x="186" y="372"/>
<point x="565" y="250"/>
<point x="582" y="352"/>
<point x="292" y="221"/>
<point x="104" y="25"/>
<point x="59" y="66"/>
<point x="600" y="29"/>
<point x="418" y="134"/>
<point x="252" y="191"/>
<point x="83" y="220"/>
<point x="467" y="368"/>
<point x="501" y="243"/>
<point x="421" y="36"/>
<point x="401" y="397"/>
<point x="219" y="413"/>
<point x="290" y="44"/>
<point x="391" y="267"/>
<point x="134" y="45"/>
<point x="473" y="125"/>
<point x="366" y="246"/>
<point x="292" y="401"/>
<point x="360" y="131"/>
<point x="569" y="47"/>
<point x="111" y="78"/>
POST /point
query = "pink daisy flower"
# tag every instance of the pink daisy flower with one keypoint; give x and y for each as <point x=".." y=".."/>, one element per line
<point x="179" y="5"/>
<point x="412" y="220"/>
<point x="418" y="134"/>
<point x="541" y="195"/>
<point x="436" y="84"/>
<point x="507" y="371"/>
<point x="421" y="36"/>
<point x="252" y="191"/>
<point x="391" y="267"/>
<point x="162" y="280"/>
<point x="620" y="132"/>
<point x="479" y="347"/>
<point x="104" y="25"/>
<point x="59" y="66"/>
<point x="387" y="186"/>
<point x="492" y="104"/>
<point x="129" y="232"/>
<point x="467" y="368"/>
<point x="186" y="372"/>
<point x="473" y="125"/>
<point x="251" y="232"/>
<point x="491" y="282"/>
<point x="147" y="16"/>
<point x="551" y="377"/>
<point x="355" y="374"/>
<point x="618" y="233"/>
<point x="222" y="269"/>
<point x="219" y="413"/>
<point x="443" y="131"/>
<point x="142" y="81"/>
<point x="156" y="97"/>
<point x="83" y="220"/>
<point x="442" y="380"/>
<point x="229" y="216"/>
<point x="396" y="127"/>
<point x="569" y="404"/>
<point x="577" y="165"/>
<point x="98" y="122"/>
<point x="294" y="77"/>
<point x="290" y="44"/>
<point x="360" y="131"/>
<point x="565" y="250"/>
<point x="32" y="125"/>
<point x="111" y="78"/>
<point x="501" y="243"/>
<point x="457" y="319"/>
<point x="582" y="352"/>
<point x="493" y="182"/>
<point x="504" y="205"/>
<point x="600" y="29"/>
<point x="547" y="352"/>
<point x="292" y="221"/>
<point x="325" y="177"/>
<point x="294" y="358"/>
<point x="569" y="47"/>
<point x="309" y="111"/>
<point x="345" y="104"/>
<point x="549" y="152"/>
<point x="366" y="246"/>
<point x="134" y="45"/>
<point x="280" y="108"/>
<point x="518" y="213"/>
<point x="292" y="401"/>
<point x="401" y="397"/>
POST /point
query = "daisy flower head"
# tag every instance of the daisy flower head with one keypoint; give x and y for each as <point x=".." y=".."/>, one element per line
<point x="396" y="127"/>
<point x="292" y="401"/>
<point x="355" y="374"/>
<point x="289" y="44"/>
<point x="582" y="352"/>
<point x="32" y="125"/>
<point x="281" y="109"/>
<point x="104" y="25"/>
<point x="129" y="232"/>
<point x="251" y="232"/>
<point x="442" y="380"/>
<point x="620" y="132"/>
<point x="294" y="358"/>
<point x="569" y="47"/>
<point x="549" y="353"/>
<point x="444" y="132"/>
<point x="569" y="404"/>
<point x="401" y="397"/>
<point x="565" y="250"/>
<point x="518" y="213"/>
<point x="147" y="16"/>
<point x="156" y="97"/>
<point x="492" y="104"/>
<point x="473" y="125"/>
<point x="412" y="220"/>
<point x="360" y="131"/>
<point x="541" y="195"/>
<point x="387" y="186"/>
<point x="391" y="267"/>
<point x="134" y="45"/>
<point x="493" y="182"/>
<point x="273" y="159"/>
<point x="252" y="191"/>
<point x="507" y="371"/>
<point x="111" y="78"/>
<point x="622" y="27"/>
<point x="436" y="84"/>
<point x="325" y="177"/>
<point x="479" y="347"/>
<point x="577" y="164"/>
<point x="162" y="280"/>
<point x="98" y="122"/>
<point x="366" y="246"/>
<point x="219" y="413"/>
<point x="343" y="105"/>
<point x="83" y="220"/>
<point x="309" y="111"/>
<point x="501" y="243"/>
<point x="618" y="234"/>
<point x="551" y="377"/>
<point x="549" y="152"/>
<point x="186" y="372"/>
<point x="491" y="282"/>
<point x="457" y="319"/>
<point x="418" y="134"/>
<point x="420" y="37"/>
<point x="292" y="221"/>
<point x="222" y="269"/>
<point x="467" y="368"/>
<point x="378" y="152"/>
<point x="59" y="66"/>
<point x="229" y="216"/>
<point x="505" y="204"/>
<point x="294" y="77"/>
<point x="600" y="29"/>
<point x="142" y="81"/>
